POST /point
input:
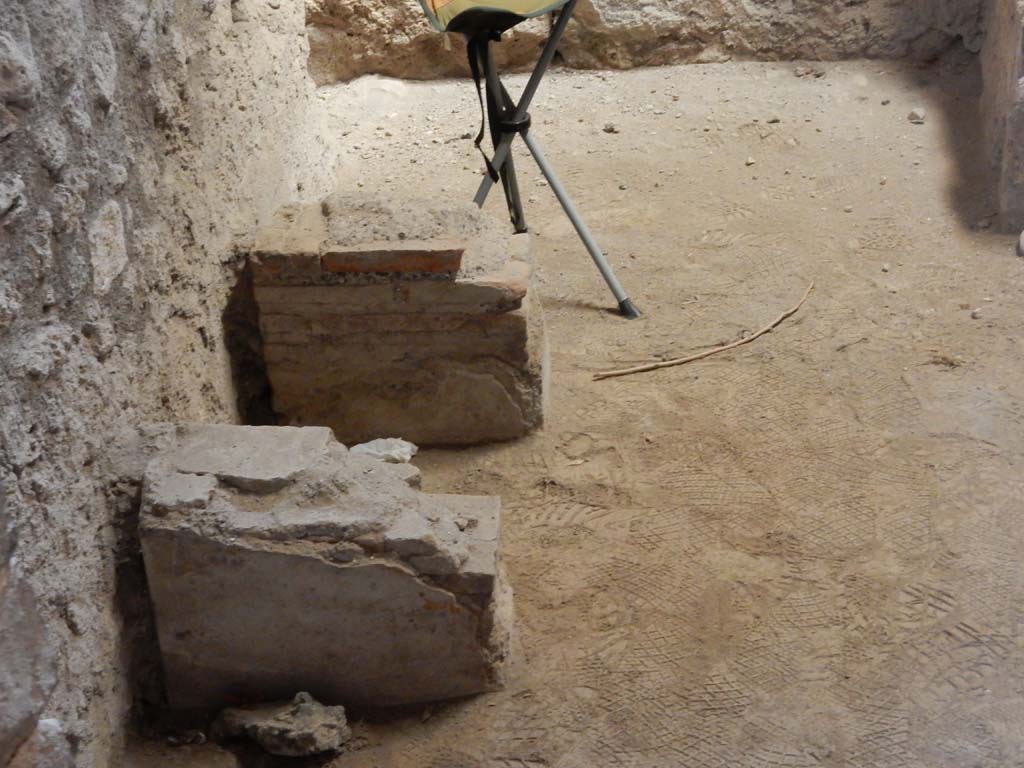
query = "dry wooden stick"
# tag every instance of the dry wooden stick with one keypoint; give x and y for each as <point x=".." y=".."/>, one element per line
<point x="700" y="356"/>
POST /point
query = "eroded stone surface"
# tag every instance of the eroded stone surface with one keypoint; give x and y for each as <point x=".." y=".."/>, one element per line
<point x="107" y="246"/>
<point x="343" y="580"/>
<point x="27" y="663"/>
<point x="294" y="247"/>
<point x="227" y="454"/>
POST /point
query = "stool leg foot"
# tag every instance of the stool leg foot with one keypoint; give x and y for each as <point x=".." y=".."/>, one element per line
<point x="628" y="310"/>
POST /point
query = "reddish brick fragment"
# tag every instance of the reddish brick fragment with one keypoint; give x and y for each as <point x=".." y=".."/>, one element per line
<point x="401" y="256"/>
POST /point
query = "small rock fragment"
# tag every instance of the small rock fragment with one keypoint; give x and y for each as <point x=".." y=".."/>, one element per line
<point x="104" y="69"/>
<point x="107" y="246"/>
<point x="296" y="728"/>
<point x="804" y="71"/>
<point x="19" y="76"/>
<point x="182" y="738"/>
<point x="393" y="450"/>
<point x="750" y="161"/>
<point x="117" y="176"/>
<point x="611" y="128"/>
<point x="12" y="195"/>
<point x="885" y="267"/>
<point x="51" y="144"/>
<point x="848" y="209"/>
<point x="8" y="122"/>
<point x="917" y="116"/>
<point x="975" y="314"/>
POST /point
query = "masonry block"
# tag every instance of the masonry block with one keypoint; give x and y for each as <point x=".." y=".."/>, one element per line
<point x="278" y="562"/>
<point x="400" y="319"/>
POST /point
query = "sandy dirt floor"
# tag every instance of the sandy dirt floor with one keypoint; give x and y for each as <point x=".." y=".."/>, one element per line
<point x="806" y="552"/>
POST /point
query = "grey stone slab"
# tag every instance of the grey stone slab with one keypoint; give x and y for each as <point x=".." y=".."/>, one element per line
<point x="342" y="579"/>
<point x="244" y="459"/>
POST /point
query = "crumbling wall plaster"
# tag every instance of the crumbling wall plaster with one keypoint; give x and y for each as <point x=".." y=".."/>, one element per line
<point x="354" y="37"/>
<point x="137" y="139"/>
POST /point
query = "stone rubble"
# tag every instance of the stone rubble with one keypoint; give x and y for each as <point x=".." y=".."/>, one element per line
<point x="296" y="728"/>
<point x="391" y="449"/>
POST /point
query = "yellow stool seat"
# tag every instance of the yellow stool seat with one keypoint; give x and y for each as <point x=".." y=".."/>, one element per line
<point x="443" y="14"/>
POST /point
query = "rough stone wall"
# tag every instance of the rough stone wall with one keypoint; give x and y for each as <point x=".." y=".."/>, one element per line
<point x="137" y="138"/>
<point x="622" y="33"/>
<point x="349" y="38"/>
<point x="354" y="37"/>
<point x="1002" y="109"/>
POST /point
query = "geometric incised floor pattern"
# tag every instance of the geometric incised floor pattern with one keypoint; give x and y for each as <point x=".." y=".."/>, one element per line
<point x="807" y="551"/>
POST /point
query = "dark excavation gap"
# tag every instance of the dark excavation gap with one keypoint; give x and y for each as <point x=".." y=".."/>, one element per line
<point x="244" y="344"/>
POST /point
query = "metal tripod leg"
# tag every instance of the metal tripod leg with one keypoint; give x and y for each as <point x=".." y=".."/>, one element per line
<point x="626" y="307"/>
<point x="500" y="107"/>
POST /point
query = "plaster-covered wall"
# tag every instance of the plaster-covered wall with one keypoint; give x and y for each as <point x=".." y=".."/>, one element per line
<point x="353" y="37"/>
<point x="1002" y="109"/>
<point x="138" y="138"/>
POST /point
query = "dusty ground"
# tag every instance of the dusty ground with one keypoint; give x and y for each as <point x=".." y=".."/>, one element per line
<point x="805" y="552"/>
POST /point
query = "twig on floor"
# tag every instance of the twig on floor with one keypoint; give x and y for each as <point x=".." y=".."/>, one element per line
<point x="700" y="356"/>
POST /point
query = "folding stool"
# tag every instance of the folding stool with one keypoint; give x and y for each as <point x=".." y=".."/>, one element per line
<point x="483" y="22"/>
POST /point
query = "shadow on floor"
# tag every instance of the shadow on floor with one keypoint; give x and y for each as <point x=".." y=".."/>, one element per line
<point x="244" y="344"/>
<point x="951" y="89"/>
